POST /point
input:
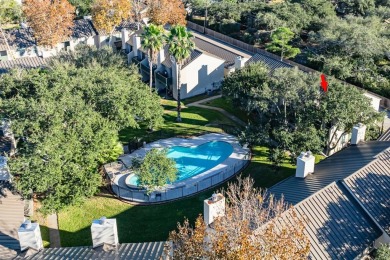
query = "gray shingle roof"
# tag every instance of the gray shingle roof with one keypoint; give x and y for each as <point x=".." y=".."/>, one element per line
<point x="217" y="51"/>
<point x="24" y="37"/>
<point x="336" y="225"/>
<point x="371" y="186"/>
<point x="23" y="63"/>
<point x="5" y="144"/>
<point x="83" y="28"/>
<point x="133" y="251"/>
<point x="333" y="168"/>
<point x="18" y="39"/>
<point x="271" y="63"/>
<point x="125" y="24"/>
<point x="168" y="63"/>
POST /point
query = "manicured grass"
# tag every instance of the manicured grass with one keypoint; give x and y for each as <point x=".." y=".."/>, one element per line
<point x="227" y="105"/>
<point x="194" y="122"/>
<point x="195" y="98"/>
<point x="153" y="223"/>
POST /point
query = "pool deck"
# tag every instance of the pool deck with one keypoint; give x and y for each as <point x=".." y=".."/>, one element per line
<point x="230" y="166"/>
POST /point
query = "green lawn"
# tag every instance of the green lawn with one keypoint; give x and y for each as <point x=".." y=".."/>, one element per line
<point x="194" y="122"/>
<point x="227" y="105"/>
<point x="153" y="223"/>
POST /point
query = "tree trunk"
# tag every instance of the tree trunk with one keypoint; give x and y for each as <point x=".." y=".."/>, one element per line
<point x="281" y="55"/>
<point x="285" y="111"/>
<point x="150" y="74"/>
<point x="178" y="119"/>
<point x="205" y="22"/>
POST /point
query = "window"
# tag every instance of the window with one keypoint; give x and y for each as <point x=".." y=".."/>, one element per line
<point x="3" y="53"/>
<point x="66" y="45"/>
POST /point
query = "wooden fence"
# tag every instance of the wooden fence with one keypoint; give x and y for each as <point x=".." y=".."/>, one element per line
<point x="385" y="102"/>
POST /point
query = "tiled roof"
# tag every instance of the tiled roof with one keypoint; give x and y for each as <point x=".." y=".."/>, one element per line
<point x="215" y="50"/>
<point x="271" y="63"/>
<point x="133" y="251"/>
<point x="23" y="63"/>
<point x="333" y="168"/>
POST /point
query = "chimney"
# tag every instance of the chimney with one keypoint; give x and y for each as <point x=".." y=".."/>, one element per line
<point x="239" y="62"/>
<point x="358" y="134"/>
<point x="125" y="37"/>
<point x="160" y="57"/>
<point x="213" y="207"/>
<point x="136" y="43"/>
<point x="104" y="231"/>
<point x="30" y="236"/>
<point x="305" y="164"/>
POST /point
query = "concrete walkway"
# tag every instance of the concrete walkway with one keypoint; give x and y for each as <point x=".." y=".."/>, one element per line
<point x="222" y="111"/>
<point x="54" y="233"/>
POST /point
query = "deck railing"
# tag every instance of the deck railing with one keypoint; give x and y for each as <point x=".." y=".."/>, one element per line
<point x="177" y="192"/>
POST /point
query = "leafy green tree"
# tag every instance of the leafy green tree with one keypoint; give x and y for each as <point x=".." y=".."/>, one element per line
<point x="83" y="7"/>
<point x="66" y="120"/>
<point x="10" y="11"/>
<point x="350" y="51"/>
<point x="280" y="43"/>
<point x="156" y="170"/>
<point x="181" y="44"/>
<point x="383" y="252"/>
<point x="294" y="115"/>
<point x="201" y="5"/>
<point x="153" y="39"/>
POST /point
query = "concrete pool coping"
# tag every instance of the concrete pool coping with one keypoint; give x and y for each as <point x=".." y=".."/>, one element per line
<point x="225" y="168"/>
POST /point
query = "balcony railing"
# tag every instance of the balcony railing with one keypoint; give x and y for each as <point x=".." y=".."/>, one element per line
<point x="145" y="69"/>
<point x="164" y="79"/>
<point x="136" y="60"/>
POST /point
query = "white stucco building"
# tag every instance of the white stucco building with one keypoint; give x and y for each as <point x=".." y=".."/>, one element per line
<point x="204" y="70"/>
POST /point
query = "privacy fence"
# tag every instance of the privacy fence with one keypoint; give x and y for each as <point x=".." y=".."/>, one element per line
<point x="385" y="102"/>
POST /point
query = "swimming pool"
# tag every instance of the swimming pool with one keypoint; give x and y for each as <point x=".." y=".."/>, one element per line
<point x="194" y="160"/>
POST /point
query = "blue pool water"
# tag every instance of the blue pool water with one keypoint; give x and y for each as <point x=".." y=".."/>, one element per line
<point x="191" y="161"/>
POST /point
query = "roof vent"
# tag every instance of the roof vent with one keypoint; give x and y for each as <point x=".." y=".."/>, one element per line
<point x="358" y="134"/>
<point x="305" y="164"/>
<point x="104" y="231"/>
<point x="213" y="208"/>
<point x="30" y="236"/>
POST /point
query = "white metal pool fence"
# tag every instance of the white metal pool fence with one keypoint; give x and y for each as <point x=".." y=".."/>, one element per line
<point x="173" y="193"/>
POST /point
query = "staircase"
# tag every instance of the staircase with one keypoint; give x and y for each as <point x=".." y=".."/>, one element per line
<point x="11" y="217"/>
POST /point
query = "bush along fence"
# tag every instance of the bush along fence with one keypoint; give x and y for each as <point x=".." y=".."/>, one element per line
<point x="385" y="102"/>
<point x="116" y="174"/>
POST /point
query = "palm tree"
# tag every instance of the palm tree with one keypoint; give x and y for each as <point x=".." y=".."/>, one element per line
<point x="153" y="39"/>
<point x="180" y="47"/>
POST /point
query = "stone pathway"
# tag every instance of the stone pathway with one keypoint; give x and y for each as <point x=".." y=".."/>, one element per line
<point x="54" y="233"/>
